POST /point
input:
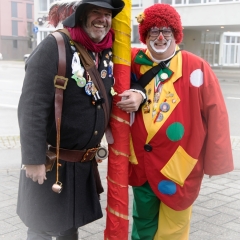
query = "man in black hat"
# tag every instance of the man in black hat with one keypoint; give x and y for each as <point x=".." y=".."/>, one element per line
<point x="58" y="202"/>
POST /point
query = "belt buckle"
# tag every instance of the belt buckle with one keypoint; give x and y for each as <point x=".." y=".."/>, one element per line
<point x="91" y="152"/>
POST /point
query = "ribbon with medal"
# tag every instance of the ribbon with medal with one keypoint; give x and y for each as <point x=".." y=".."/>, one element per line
<point x="160" y="73"/>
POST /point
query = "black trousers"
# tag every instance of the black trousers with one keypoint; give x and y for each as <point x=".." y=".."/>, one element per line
<point x="71" y="234"/>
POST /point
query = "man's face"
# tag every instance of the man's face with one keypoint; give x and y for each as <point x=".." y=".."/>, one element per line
<point x="98" y="23"/>
<point x="160" y="42"/>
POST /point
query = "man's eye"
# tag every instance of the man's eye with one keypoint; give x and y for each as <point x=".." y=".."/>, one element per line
<point x="167" y="32"/>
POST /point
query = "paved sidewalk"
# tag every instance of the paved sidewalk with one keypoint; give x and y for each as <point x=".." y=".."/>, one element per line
<point x="216" y="212"/>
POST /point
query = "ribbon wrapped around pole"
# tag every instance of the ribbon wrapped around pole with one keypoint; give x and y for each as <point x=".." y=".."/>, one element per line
<point x="117" y="222"/>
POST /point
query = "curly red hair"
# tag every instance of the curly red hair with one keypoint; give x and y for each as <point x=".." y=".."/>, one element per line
<point x="160" y="15"/>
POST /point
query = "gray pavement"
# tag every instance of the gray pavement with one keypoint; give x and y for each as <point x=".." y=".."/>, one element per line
<point x="216" y="212"/>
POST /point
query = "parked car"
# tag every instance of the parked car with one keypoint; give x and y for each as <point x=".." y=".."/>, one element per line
<point x="25" y="57"/>
<point x="1" y="56"/>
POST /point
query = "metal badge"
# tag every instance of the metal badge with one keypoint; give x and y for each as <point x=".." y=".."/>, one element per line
<point x="110" y="69"/>
<point x="164" y="76"/>
<point x="102" y="153"/>
<point x="112" y="91"/>
<point x="160" y="117"/>
<point x="169" y="94"/>
<point x="88" y="88"/>
<point x="146" y="107"/>
<point x="103" y="74"/>
<point x="164" y="107"/>
<point x="81" y="82"/>
<point x="156" y="97"/>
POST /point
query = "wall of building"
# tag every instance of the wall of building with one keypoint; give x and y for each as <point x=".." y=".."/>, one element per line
<point x="192" y="41"/>
<point x="210" y="14"/>
<point x="13" y="47"/>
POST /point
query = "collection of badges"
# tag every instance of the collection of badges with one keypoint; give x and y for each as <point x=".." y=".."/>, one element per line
<point x="158" y="110"/>
<point x="86" y="82"/>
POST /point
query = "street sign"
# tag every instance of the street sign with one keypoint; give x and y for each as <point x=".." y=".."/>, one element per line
<point x="35" y="29"/>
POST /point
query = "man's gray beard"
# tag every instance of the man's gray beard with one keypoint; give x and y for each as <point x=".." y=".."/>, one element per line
<point x="160" y="50"/>
<point x="92" y="35"/>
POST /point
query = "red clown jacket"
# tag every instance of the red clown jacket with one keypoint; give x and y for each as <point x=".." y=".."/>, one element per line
<point x="189" y="140"/>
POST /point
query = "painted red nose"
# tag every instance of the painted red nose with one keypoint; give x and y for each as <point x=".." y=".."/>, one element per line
<point x="160" y="37"/>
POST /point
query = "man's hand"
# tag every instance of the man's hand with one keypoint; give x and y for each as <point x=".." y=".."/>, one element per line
<point x="131" y="101"/>
<point x="36" y="173"/>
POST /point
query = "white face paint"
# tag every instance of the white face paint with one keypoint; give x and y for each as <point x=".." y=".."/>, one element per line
<point x="161" y="47"/>
<point x="162" y="50"/>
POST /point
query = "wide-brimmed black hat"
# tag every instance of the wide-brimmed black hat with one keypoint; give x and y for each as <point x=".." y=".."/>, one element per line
<point x="115" y="5"/>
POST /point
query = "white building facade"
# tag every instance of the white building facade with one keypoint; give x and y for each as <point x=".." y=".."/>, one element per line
<point x="211" y="27"/>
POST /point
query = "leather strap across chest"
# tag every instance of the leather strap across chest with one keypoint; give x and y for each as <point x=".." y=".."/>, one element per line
<point x="90" y="66"/>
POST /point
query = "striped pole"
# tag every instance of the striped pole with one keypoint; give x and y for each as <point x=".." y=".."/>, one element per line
<point x="117" y="177"/>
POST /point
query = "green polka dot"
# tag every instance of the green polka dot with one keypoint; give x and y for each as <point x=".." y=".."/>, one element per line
<point x="175" y="131"/>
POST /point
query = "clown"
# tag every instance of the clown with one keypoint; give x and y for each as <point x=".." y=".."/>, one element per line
<point x="179" y="134"/>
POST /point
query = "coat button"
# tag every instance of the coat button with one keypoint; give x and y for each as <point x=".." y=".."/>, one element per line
<point x="96" y="133"/>
<point x="98" y="107"/>
<point x="147" y="147"/>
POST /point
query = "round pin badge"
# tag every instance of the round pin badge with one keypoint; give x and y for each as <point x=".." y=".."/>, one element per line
<point x="81" y="82"/>
<point x="160" y="117"/>
<point x="164" y="107"/>
<point x="88" y="88"/>
<point x="103" y="74"/>
<point x="164" y="76"/>
<point x="102" y="153"/>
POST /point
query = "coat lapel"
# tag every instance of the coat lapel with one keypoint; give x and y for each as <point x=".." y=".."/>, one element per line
<point x="168" y="95"/>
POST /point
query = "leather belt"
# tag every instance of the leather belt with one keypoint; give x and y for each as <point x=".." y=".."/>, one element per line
<point x="75" y="155"/>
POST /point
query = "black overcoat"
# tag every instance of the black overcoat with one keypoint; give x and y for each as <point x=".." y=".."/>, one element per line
<point x="82" y="127"/>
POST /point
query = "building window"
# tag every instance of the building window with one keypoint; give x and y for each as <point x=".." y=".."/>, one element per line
<point x="166" y="1"/>
<point x="14" y="9"/>
<point x="194" y="1"/>
<point x="29" y="11"/>
<point x="210" y="47"/>
<point x="14" y="28"/>
<point x="231" y="49"/>
<point x="15" y="44"/>
<point x="45" y="4"/>
<point x="136" y="3"/>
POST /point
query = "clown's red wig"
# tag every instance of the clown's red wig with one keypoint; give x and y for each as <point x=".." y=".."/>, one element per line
<point x="160" y="15"/>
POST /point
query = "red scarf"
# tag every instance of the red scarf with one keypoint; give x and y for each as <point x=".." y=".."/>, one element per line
<point x="79" y="35"/>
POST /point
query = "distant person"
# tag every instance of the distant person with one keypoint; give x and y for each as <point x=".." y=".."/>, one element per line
<point x="178" y="135"/>
<point x="75" y="201"/>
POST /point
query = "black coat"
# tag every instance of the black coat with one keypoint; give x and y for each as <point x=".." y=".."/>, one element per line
<point x="82" y="127"/>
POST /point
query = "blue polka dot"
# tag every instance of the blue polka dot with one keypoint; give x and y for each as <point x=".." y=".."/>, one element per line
<point x="167" y="187"/>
